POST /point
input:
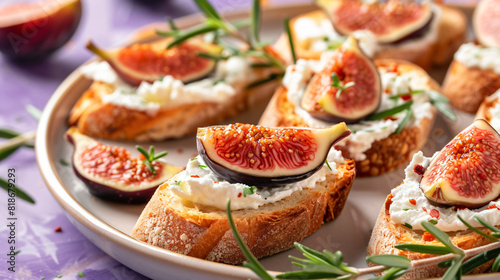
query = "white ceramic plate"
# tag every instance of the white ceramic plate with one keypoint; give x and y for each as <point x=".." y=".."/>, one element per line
<point x="108" y="224"/>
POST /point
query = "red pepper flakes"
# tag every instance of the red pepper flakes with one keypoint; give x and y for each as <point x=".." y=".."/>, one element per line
<point x="494" y="206"/>
<point x="395" y="69"/>
<point x="419" y="169"/>
<point x="195" y="176"/>
<point x="428" y="237"/>
<point x="390" y="118"/>
<point x="215" y="182"/>
<point x="180" y="150"/>
<point x="413" y="201"/>
<point x="406" y="97"/>
<point x="58" y="229"/>
<point x="240" y="194"/>
<point x="423" y="208"/>
<point x="434" y="213"/>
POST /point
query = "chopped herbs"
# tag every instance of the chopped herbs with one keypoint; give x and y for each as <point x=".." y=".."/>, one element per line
<point x="81" y="274"/>
<point x="249" y="190"/>
<point x="59" y="276"/>
<point x="161" y="78"/>
<point x="434" y="222"/>
<point x="408" y="225"/>
<point x="408" y="209"/>
<point x="17" y="252"/>
<point x="177" y="183"/>
<point x="202" y="166"/>
<point x="338" y="84"/>
<point x="150" y="157"/>
<point x="63" y="162"/>
<point x="192" y="159"/>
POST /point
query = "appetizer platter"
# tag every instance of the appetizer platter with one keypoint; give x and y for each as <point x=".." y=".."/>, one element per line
<point x="102" y="116"/>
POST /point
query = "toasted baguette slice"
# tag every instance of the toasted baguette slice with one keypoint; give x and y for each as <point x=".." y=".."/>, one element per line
<point x="385" y="155"/>
<point x="386" y="234"/>
<point x="467" y="87"/>
<point x="203" y="232"/>
<point x="95" y="118"/>
<point x="451" y="34"/>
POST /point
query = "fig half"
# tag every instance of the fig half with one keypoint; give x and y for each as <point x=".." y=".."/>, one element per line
<point x="467" y="170"/>
<point x="112" y="174"/>
<point x="328" y="96"/>
<point x="32" y="31"/>
<point x="149" y="62"/>
<point x="263" y="156"/>
<point x="389" y="22"/>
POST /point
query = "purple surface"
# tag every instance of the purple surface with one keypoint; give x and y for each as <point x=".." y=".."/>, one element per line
<point x="44" y="252"/>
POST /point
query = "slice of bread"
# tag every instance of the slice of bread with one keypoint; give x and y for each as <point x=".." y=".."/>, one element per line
<point x="451" y="33"/>
<point x="385" y="155"/>
<point x="467" y="87"/>
<point x="203" y="231"/>
<point x="386" y="234"/>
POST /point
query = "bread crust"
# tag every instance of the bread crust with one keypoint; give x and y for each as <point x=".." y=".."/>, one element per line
<point x="467" y="87"/>
<point x="484" y="110"/>
<point x="451" y="34"/>
<point x="102" y="120"/>
<point x="386" y="234"/>
<point x="385" y="155"/>
<point x="203" y="232"/>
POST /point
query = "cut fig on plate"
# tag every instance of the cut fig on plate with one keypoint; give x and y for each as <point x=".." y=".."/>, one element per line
<point x="347" y="89"/>
<point x="467" y="170"/>
<point x="32" y="31"/>
<point x="389" y="21"/>
<point x="112" y="174"/>
<point x="486" y="22"/>
<point x="263" y="156"/>
<point x="149" y="62"/>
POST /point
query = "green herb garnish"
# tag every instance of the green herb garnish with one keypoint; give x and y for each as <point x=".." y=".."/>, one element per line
<point x="442" y="104"/>
<point x="81" y="274"/>
<point x="59" y="276"/>
<point x="150" y="157"/>
<point x="328" y="164"/>
<point x="63" y="162"/>
<point x="390" y="112"/>
<point x="19" y="192"/>
<point x="290" y="40"/>
<point x="202" y="166"/>
<point x="434" y="222"/>
<point x="403" y="122"/>
<point x="408" y="225"/>
<point x="176" y="183"/>
<point x="249" y="190"/>
<point x="212" y="57"/>
<point x="395" y="97"/>
<point x="340" y="88"/>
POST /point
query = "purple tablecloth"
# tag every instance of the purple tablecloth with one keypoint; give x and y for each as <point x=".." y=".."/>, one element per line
<point x="45" y="252"/>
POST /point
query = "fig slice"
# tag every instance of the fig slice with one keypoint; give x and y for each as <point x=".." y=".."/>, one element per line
<point x="149" y="62"/>
<point x="389" y="22"/>
<point x="466" y="172"/>
<point x="486" y="22"/>
<point x="31" y="31"/>
<point x="264" y="156"/>
<point x="112" y="174"/>
<point x="350" y="66"/>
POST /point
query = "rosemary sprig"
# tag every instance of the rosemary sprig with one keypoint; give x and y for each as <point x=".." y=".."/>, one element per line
<point x="403" y="122"/>
<point x="442" y="104"/>
<point x="290" y="40"/>
<point x="255" y="23"/>
<point x="150" y="157"/>
<point x="19" y="192"/>
<point x="412" y="92"/>
<point x="390" y="112"/>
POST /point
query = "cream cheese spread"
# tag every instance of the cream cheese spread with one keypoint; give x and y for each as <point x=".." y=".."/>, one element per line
<point x="197" y="183"/>
<point x="472" y="55"/>
<point x="365" y="132"/>
<point x="403" y="211"/>
<point x="495" y="110"/>
<point x="170" y="92"/>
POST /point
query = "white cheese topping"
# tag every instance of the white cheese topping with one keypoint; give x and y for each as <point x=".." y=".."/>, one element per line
<point x="402" y="210"/>
<point x="365" y="132"/>
<point x="169" y="92"/>
<point x="495" y="110"/>
<point x="476" y="56"/>
<point x="199" y="184"/>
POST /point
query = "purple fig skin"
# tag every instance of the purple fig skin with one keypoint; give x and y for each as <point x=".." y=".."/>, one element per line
<point x="36" y="39"/>
<point x="115" y="193"/>
<point x="237" y="177"/>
